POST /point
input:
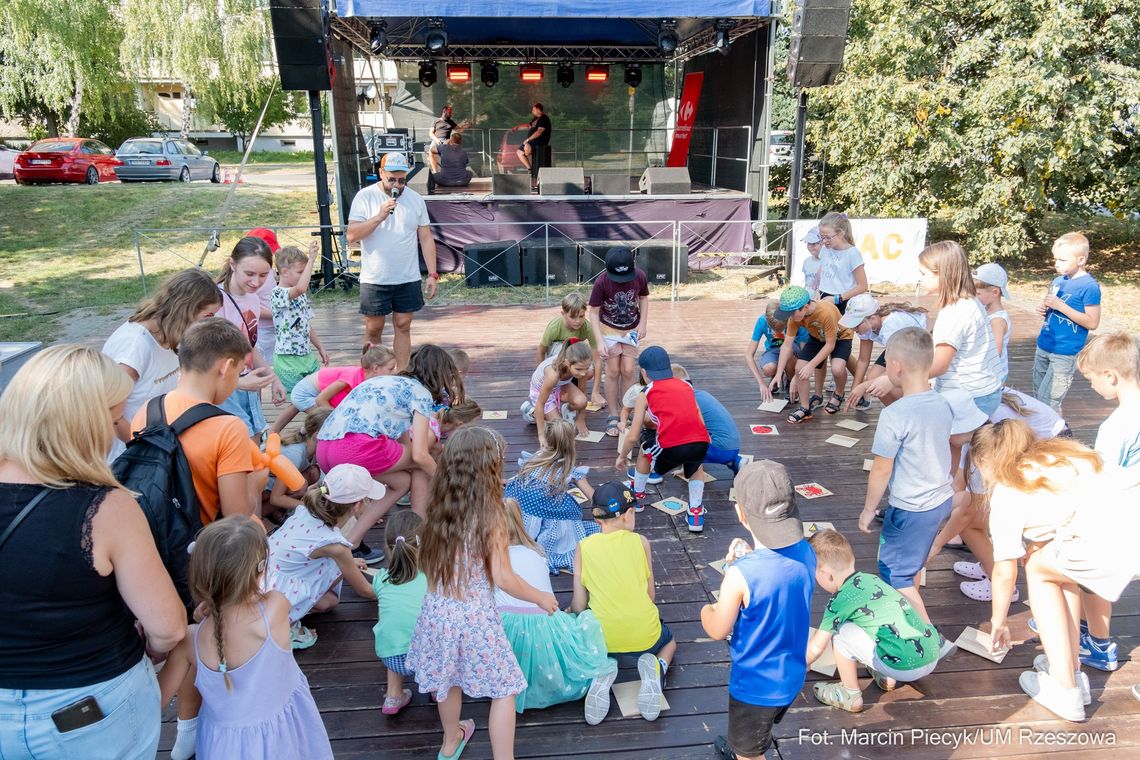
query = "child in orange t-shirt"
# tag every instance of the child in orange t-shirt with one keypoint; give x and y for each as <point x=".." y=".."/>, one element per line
<point x="826" y="339"/>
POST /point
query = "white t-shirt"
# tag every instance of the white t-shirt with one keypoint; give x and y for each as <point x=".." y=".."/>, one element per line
<point x="837" y="269"/>
<point x="531" y="567"/>
<point x="1118" y="438"/>
<point x="975" y="368"/>
<point x="811" y="270"/>
<point x="1045" y="422"/>
<point x="894" y="322"/>
<point x="390" y="255"/>
<point x="1004" y="358"/>
<point x="133" y="345"/>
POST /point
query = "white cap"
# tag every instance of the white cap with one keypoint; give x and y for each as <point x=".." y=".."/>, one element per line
<point x="858" y="308"/>
<point x="993" y="274"/>
<point x="967" y="416"/>
<point x="350" y="483"/>
<point x="813" y="236"/>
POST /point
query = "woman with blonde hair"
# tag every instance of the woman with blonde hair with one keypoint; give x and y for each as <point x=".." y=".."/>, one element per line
<point x="72" y="663"/>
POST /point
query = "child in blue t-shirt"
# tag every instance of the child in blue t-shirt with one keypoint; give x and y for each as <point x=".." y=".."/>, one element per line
<point x="724" y="446"/>
<point x="1070" y="310"/>
<point x="765" y="604"/>
<point x="770" y="330"/>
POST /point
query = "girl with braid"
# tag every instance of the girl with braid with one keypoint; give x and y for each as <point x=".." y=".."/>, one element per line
<point x="255" y="700"/>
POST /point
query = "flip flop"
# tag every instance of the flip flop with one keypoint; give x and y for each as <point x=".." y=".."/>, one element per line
<point x="468" y="727"/>
<point x="612" y="426"/>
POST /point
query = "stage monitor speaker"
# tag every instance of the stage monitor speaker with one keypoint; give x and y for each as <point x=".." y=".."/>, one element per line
<point x="592" y="257"/>
<point x="609" y="184"/>
<point x="489" y="265"/>
<point x="510" y="184"/>
<point x="656" y="258"/>
<point x="301" y="35"/>
<point x="563" y="267"/>
<point x="568" y="181"/>
<point x="819" y="34"/>
<point x="662" y="180"/>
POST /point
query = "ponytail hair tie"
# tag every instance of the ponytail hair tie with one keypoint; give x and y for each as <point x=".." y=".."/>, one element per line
<point x="222" y="667"/>
<point x="843" y="216"/>
<point x="323" y="488"/>
<point x="399" y="540"/>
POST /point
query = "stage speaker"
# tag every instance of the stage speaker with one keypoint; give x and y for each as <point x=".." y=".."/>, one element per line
<point x="663" y="180"/>
<point x="819" y="34"/>
<point x="568" y="181"/>
<point x="510" y="184"/>
<point x="300" y="34"/>
<point x="656" y="258"/>
<point x="489" y="265"/>
<point x="592" y="257"/>
<point x="609" y="184"/>
<point x="563" y="262"/>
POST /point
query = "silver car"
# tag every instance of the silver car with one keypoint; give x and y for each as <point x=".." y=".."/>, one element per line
<point x="7" y="161"/>
<point x="164" y="158"/>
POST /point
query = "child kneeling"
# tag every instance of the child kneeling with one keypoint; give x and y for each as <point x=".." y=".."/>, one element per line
<point x="869" y="624"/>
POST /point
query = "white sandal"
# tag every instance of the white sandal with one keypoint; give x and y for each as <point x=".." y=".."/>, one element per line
<point x="971" y="570"/>
<point x="983" y="590"/>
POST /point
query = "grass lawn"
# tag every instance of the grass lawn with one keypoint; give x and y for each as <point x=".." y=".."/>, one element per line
<point x="267" y="157"/>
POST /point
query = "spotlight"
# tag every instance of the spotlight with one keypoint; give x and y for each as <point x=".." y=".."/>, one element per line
<point x="530" y="72"/>
<point x="597" y="73"/>
<point x="459" y="72"/>
<point x="436" y="39"/>
<point x="667" y="40"/>
<point x="566" y="74"/>
<point x="633" y="75"/>
<point x="489" y="73"/>
<point x="379" y="39"/>
<point x="428" y="74"/>
<point x="721" y="42"/>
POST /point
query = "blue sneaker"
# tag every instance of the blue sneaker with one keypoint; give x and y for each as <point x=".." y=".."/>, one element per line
<point x="695" y="519"/>
<point x="1099" y="657"/>
<point x="654" y="478"/>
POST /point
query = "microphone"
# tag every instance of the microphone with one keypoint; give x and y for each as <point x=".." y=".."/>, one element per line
<point x="395" y="192"/>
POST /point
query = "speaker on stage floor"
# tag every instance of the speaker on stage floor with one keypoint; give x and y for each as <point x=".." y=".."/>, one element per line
<point x="488" y="265"/>
<point x="656" y="258"/>
<point x="663" y="180"/>
<point x="563" y="262"/>
<point x="567" y="181"/>
<point x="592" y="257"/>
<point x="301" y="36"/>
<point x="510" y="184"/>
<point x="819" y="34"/>
<point x="609" y="184"/>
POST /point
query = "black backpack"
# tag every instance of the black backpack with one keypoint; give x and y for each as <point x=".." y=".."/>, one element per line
<point x="154" y="467"/>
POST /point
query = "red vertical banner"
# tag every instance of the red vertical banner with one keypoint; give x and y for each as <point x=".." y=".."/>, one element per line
<point x="686" y="114"/>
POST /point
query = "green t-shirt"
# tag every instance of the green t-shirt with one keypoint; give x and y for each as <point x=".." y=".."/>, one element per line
<point x="903" y="640"/>
<point x="556" y="332"/>
<point x="399" y="608"/>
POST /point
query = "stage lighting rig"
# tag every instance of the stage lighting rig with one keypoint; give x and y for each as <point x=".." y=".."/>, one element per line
<point x="566" y="74"/>
<point x="530" y="73"/>
<point x="667" y="39"/>
<point x="379" y="39"/>
<point x="489" y="73"/>
<point x="458" y="73"/>
<point x="597" y="74"/>
<point x="721" y="42"/>
<point x="436" y="39"/>
<point x="428" y="73"/>
<point x="632" y="75"/>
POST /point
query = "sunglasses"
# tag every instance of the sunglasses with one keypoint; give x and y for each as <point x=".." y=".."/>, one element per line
<point x="396" y="180"/>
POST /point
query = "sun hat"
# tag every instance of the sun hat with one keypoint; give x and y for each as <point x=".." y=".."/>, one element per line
<point x="619" y="264"/>
<point x="349" y="483"/>
<point x="765" y="495"/>
<point x="655" y="361"/>
<point x="812" y="237"/>
<point x="395" y="162"/>
<point x="792" y="299"/>
<point x="993" y="274"/>
<point x="858" y="308"/>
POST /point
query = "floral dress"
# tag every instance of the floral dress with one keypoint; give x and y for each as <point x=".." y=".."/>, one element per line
<point x="460" y="642"/>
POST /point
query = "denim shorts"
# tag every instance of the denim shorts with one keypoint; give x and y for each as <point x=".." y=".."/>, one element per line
<point x="988" y="403"/>
<point x="246" y="406"/>
<point x="665" y="637"/>
<point x="905" y="542"/>
<point x="129" y="729"/>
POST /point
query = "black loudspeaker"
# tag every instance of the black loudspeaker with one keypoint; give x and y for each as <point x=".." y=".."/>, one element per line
<point x="510" y="184"/>
<point x="662" y="180"/>
<point x="563" y="262"/>
<point x="819" y="34"/>
<point x="489" y="265"/>
<point x="569" y="181"/>
<point x="301" y="35"/>
<point x="656" y="258"/>
<point x="609" y="184"/>
<point x="592" y="257"/>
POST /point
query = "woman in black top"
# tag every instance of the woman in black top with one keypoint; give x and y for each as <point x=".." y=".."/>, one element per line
<point x="79" y="568"/>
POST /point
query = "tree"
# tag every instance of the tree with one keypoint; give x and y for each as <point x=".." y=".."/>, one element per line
<point x="993" y="110"/>
<point x="238" y="113"/>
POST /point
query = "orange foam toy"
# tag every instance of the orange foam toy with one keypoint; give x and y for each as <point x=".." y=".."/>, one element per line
<point x="279" y="465"/>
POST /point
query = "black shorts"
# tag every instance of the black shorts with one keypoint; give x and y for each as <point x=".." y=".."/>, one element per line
<point x="688" y="456"/>
<point x="830" y="298"/>
<point x="750" y="726"/>
<point x="882" y="360"/>
<point x="842" y="349"/>
<point x="381" y="300"/>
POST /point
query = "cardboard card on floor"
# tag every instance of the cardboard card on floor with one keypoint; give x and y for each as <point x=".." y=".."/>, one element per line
<point x="671" y="505"/>
<point x="579" y="497"/>
<point x="868" y="464"/>
<point x="592" y="407"/>
<point x="746" y="459"/>
<point x="349" y="524"/>
<point x="732" y="495"/>
<point x="764" y="430"/>
<point x="812" y="491"/>
<point x="920" y="579"/>
<point x="593" y="436"/>
<point x="719" y="565"/>
<point x="716" y="594"/>
<point x="842" y="440"/>
<point x="626" y="695"/>
<point x="811" y="528"/>
<point x="500" y="414"/>
<point x="825" y="663"/>
<point x="978" y="642"/>
<point x="851" y="424"/>
<point x="704" y="476"/>
<point x="773" y="406"/>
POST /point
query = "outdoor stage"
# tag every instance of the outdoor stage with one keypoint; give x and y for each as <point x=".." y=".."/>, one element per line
<point x="966" y="694"/>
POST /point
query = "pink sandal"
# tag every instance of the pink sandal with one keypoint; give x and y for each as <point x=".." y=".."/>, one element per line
<point x="393" y="705"/>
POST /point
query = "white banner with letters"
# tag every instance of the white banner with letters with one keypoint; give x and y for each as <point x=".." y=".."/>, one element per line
<point x="890" y="248"/>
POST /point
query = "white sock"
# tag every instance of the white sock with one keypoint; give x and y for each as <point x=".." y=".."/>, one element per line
<point x="186" y="739"/>
<point x="640" y="479"/>
<point x="696" y="491"/>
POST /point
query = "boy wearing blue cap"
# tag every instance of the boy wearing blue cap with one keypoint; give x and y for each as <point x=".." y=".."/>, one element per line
<point x="682" y="439"/>
<point x="826" y="339"/>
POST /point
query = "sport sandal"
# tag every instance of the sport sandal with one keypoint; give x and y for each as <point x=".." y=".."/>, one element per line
<point x="834" y="405"/>
<point x="801" y="414"/>
<point x="835" y="694"/>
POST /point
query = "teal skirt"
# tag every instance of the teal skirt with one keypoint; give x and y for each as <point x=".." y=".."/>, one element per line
<point x="559" y="654"/>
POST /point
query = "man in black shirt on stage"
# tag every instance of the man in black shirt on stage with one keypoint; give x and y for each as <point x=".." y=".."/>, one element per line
<point x="538" y="133"/>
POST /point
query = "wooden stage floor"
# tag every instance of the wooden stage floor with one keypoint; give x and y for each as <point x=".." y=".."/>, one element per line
<point x="967" y="700"/>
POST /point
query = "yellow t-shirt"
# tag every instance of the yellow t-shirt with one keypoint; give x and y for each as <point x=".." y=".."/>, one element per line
<point x="615" y="571"/>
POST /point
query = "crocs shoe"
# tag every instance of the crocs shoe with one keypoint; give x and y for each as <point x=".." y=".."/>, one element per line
<point x="1041" y="665"/>
<point x="983" y="591"/>
<point x="303" y="637"/>
<point x="971" y="570"/>
<point x="393" y="705"/>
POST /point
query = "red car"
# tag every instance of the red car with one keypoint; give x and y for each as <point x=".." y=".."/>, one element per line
<point x="66" y="159"/>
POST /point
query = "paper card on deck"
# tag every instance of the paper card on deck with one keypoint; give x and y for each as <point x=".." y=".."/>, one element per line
<point x="592" y="407"/>
<point x="671" y="505"/>
<point x="732" y="495"/>
<point x="626" y="695"/>
<point x="825" y="663"/>
<point x="746" y="459"/>
<point x="593" y="436"/>
<point x="704" y="476"/>
<point x="812" y="491"/>
<point x="920" y="579"/>
<point x="719" y="565"/>
<point x="842" y="440"/>
<point x="764" y="430"/>
<point x="496" y="415"/>
<point x="811" y="528"/>
<point x="868" y="464"/>
<point x="851" y="424"/>
<point x="773" y="406"/>
<point x="978" y="642"/>
<point x="349" y="524"/>
<point x="716" y="594"/>
<point x="579" y="497"/>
